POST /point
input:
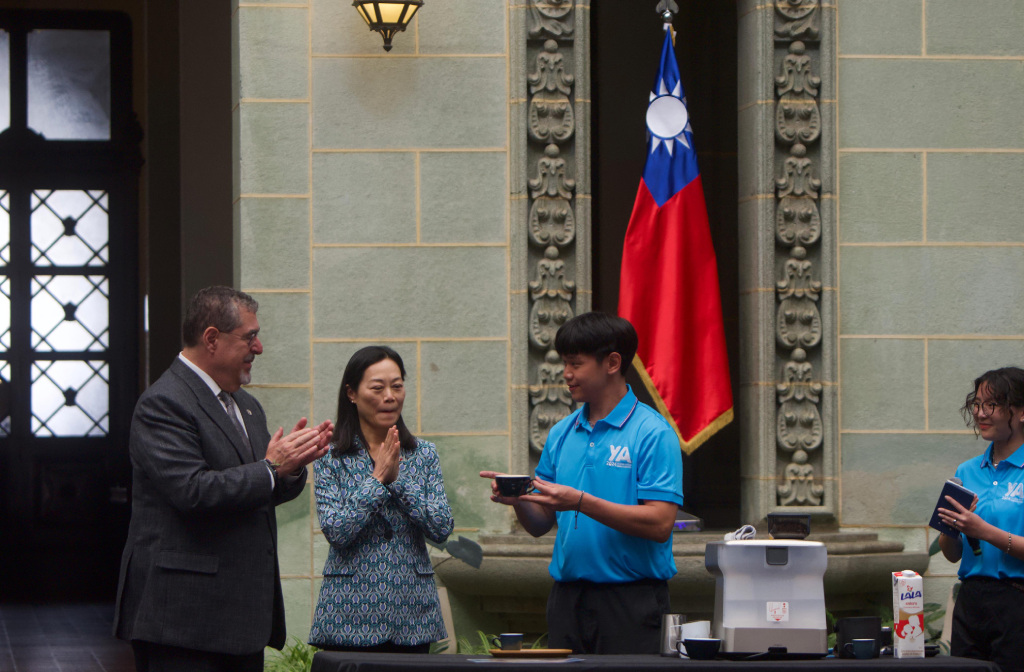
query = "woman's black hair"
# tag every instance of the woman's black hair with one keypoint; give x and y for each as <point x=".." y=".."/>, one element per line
<point x="1006" y="387"/>
<point x="347" y="426"/>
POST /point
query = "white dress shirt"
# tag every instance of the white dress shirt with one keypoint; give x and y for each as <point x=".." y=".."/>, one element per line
<point x="216" y="389"/>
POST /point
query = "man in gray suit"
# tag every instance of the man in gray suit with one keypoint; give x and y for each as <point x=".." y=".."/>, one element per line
<point x="200" y="588"/>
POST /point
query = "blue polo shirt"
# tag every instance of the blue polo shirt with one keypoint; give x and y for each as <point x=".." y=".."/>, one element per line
<point x="1000" y="491"/>
<point x="630" y="456"/>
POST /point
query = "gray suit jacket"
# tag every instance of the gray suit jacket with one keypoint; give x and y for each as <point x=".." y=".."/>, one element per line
<point x="199" y="569"/>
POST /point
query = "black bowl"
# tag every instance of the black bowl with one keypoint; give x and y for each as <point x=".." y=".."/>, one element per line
<point x="702" y="648"/>
<point x="789" y="525"/>
<point x="513" y="485"/>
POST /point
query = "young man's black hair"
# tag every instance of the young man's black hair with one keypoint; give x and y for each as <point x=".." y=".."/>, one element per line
<point x="599" y="335"/>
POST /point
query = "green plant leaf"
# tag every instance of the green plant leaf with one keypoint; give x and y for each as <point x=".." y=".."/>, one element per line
<point x="934" y="615"/>
<point x="296" y="656"/>
<point x="484" y="646"/>
<point x="885" y="613"/>
<point x="485" y="641"/>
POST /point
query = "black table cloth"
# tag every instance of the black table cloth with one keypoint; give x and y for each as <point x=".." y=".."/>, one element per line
<point x="328" y="661"/>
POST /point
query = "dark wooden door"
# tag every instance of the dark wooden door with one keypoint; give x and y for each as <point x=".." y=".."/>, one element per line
<point x="69" y="318"/>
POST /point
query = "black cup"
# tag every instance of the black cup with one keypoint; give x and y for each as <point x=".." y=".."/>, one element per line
<point x="857" y="627"/>
<point x="508" y="641"/>
<point x="861" y="648"/>
<point x="702" y="648"/>
<point x="510" y="485"/>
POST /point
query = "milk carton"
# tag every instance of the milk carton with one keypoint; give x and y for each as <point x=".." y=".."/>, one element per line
<point x="907" y="615"/>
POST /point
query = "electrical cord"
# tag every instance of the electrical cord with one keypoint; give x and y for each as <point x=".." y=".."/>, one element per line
<point x="745" y="532"/>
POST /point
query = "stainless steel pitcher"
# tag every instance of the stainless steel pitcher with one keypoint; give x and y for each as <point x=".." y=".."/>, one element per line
<point x="671" y="633"/>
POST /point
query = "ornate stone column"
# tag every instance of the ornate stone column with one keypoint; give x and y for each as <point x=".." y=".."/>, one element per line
<point x="787" y="271"/>
<point x="550" y="166"/>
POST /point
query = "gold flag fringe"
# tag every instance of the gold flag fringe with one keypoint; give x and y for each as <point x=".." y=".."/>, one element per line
<point x="703" y="435"/>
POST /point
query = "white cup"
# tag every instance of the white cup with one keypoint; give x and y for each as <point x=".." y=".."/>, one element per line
<point x="693" y="630"/>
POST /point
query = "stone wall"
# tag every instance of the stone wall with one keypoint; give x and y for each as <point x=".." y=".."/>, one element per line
<point x="372" y="201"/>
<point x="931" y="245"/>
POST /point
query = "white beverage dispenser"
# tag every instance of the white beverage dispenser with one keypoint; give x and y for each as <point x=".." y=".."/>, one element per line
<point x="769" y="596"/>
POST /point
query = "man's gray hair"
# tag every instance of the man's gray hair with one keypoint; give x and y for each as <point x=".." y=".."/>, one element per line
<point x="217" y="307"/>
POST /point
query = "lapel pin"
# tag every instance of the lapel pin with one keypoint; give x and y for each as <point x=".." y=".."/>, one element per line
<point x="248" y="411"/>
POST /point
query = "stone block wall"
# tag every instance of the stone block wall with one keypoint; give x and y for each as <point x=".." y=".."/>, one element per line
<point x="372" y="206"/>
<point x="931" y="246"/>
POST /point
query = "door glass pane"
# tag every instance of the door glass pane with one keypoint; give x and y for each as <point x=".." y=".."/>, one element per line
<point x="70" y="313"/>
<point x="5" y="313"/>
<point x="5" y="399"/>
<point x="70" y="398"/>
<point x="69" y="84"/>
<point x="5" y="228"/>
<point x="5" y="80"/>
<point x="69" y="228"/>
<point x="5" y="281"/>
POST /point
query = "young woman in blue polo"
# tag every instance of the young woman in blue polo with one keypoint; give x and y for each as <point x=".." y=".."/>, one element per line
<point x="988" y="621"/>
<point x="611" y="476"/>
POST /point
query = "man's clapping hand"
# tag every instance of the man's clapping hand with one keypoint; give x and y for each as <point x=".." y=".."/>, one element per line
<point x="299" y="447"/>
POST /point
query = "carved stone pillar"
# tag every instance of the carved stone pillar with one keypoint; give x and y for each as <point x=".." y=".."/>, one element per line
<point x="787" y="229"/>
<point x="550" y="163"/>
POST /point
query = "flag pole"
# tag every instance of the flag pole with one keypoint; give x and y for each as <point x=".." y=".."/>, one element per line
<point x="668" y="283"/>
<point x="668" y="10"/>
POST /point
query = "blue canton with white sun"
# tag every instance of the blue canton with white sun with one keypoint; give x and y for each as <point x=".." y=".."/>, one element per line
<point x="671" y="161"/>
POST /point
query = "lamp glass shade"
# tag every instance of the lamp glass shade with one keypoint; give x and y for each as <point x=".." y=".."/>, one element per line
<point x="392" y="12"/>
<point x="387" y="17"/>
<point x="412" y="12"/>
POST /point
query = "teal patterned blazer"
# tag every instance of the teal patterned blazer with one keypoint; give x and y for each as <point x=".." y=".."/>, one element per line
<point x="378" y="580"/>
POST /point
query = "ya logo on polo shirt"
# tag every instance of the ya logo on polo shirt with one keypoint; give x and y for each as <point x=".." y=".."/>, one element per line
<point x="619" y="457"/>
<point x="1014" y="493"/>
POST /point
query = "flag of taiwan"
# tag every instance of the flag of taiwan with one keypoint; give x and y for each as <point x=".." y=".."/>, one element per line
<point x="669" y="283"/>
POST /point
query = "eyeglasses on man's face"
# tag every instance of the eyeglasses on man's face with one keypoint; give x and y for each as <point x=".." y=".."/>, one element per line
<point x="984" y="407"/>
<point x="249" y="337"/>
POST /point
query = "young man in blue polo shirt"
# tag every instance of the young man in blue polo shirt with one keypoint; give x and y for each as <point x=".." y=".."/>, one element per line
<point x="611" y="475"/>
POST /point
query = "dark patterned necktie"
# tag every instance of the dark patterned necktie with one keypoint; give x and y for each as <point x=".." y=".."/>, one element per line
<point x="229" y="404"/>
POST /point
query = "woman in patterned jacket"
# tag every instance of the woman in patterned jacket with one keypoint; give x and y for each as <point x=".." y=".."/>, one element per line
<point x="379" y="493"/>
